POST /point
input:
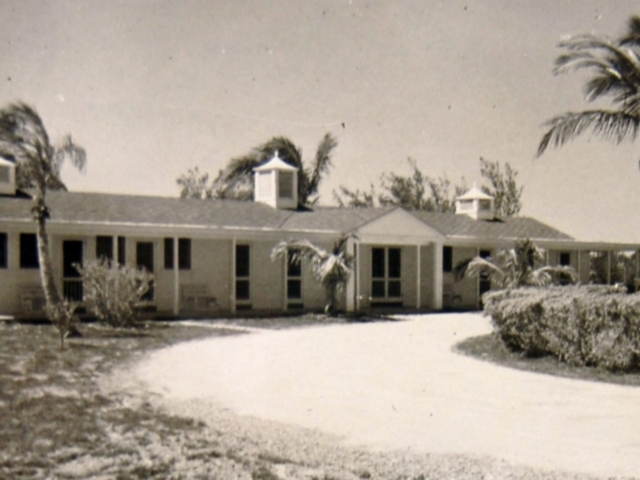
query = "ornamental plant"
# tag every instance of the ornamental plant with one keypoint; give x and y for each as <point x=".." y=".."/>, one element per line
<point x="113" y="291"/>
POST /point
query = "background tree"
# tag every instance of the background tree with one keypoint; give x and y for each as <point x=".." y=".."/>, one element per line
<point x="193" y="184"/>
<point x="614" y="67"/>
<point x="502" y="187"/>
<point x="332" y="268"/>
<point x="24" y="140"/>
<point x="520" y="266"/>
<point x="235" y="181"/>
<point x="418" y="191"/>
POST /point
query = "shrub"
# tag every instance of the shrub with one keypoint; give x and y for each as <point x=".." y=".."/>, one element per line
<point x="587" y="325"/>
<point x="113" y="291"/>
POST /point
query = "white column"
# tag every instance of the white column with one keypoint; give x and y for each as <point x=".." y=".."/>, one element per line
<point x="176" y="278"/>
<point x="285" y="277"/>
<point x="351" y="287"/>
<point x="418" y="275"/>
<point x="232" y="290"/>
<point x="437" y="276"/>
<point x="114" y="260"/>
<point x="357" y="275"/>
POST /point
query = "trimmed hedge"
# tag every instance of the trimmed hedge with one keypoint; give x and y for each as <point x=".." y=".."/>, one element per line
<point x="581" y="325"/>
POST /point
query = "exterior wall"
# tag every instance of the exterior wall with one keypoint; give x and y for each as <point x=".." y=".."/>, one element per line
<point x="313" y="293"/>
<point x="427" y="265"/>
<point x="584" y="266"/>
<point x="266" y="277"/>
<point x="464" y="293"/>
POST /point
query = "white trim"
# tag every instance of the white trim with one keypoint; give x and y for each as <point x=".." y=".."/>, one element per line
<point x="176" y="278"/>
<point x="232" y="302"/>
<point x="418" y="274"/>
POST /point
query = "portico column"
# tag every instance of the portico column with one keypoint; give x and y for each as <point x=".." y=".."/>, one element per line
<point x="351" y="283"/>
<point x="357" y="275"/>
<point x="418" y="274"/>
<point x="437" y="276"/>
<point x="176" y="278"/>
<point x="232" y="290"/>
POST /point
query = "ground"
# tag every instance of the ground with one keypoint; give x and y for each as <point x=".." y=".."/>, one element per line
<point x="81" y="413"/>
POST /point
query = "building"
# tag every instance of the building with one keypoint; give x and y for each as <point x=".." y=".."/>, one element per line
<point x="213" y="258"/>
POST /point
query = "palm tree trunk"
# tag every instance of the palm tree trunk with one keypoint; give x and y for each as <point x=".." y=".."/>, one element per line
<point x="44" y="257"/>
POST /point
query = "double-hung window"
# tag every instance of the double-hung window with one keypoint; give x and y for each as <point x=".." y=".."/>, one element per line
<point x="294" y="280"/>
<point x="243" y="270"/>
<point x="184" y="253"/>
<point x="386" y="274"/>
<point x="4" y="251"/>
<point x="29" y="251"/>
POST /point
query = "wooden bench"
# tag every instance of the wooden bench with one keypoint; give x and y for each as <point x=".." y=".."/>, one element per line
<point x="197" y="297"/>
<point x="32" y="299"/>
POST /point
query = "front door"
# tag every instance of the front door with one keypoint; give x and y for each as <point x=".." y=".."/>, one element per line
<point x="71" y="281"/>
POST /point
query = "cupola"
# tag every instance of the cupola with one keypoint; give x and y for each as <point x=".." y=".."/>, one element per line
<point x="476" y="204"/>
<point x="276" y="183"/>
<point x="7" y="177"/>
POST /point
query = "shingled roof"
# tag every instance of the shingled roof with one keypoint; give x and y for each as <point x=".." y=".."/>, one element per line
<point x="100" y="208"/>
<point x="462" y="226"/>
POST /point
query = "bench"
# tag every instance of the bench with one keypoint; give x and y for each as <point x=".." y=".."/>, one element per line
<point x="32" y="299"/>
<point x="197" y="297"/>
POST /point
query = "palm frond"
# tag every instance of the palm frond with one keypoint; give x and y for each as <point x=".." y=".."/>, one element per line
<point x="481" y="266"/>
<point x="608" y="125"/>
<point x="321" y="165"/>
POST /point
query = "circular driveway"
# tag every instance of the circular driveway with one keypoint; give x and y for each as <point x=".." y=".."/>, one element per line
<point x="399" y="385"/>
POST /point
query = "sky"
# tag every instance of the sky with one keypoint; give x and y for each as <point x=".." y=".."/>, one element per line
<point x="153" y="88"/>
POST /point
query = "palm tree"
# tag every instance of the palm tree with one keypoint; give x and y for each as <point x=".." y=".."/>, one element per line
<point x="235" y="181"/>
<point x="516" y="267"/>
<point x="332" y="268"/>
<point x="615" y="68"/>
<point x="24" y="140"/>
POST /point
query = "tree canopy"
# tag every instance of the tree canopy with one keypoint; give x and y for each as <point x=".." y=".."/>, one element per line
<point x="419" y="191"/>
<point x="25" y="141"/>
<point x="235" y="181"/>
<point x="614" y="68"/>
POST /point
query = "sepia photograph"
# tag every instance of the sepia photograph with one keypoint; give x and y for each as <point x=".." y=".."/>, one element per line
<point x="319" y="239"/>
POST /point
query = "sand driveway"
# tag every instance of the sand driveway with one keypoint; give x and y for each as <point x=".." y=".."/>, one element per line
<point x="398" y="385"/>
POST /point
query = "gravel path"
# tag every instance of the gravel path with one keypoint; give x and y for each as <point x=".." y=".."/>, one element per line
<point x="391" y="400"/>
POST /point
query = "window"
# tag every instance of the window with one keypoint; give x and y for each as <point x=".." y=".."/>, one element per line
<point x="184" y="253"/>
<point x="72" y="254"/>
<point x="5" y="175"/>
<point x="294" y="279"/>
<point x="4" y="250"/>
<point x="484" y="282"/>
<point x="122" y="250"/>
<point x="243" y="291"/>
<point x="447" y="259"/>
<point x="565" y="259"/>
<point x="386" y="273"/>
<point x="484" y="205"/>
<point x="466" y="204"/>
<point x="285" y="184"/>
<point x="104" y="248"/>
<point x="29" y="251"/>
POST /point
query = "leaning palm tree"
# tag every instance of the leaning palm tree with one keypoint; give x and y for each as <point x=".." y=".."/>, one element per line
<point x="614" y="65"/>
<point x="235" y="181"/>
<point x="515" y="267"/>
<point x="332" y="268"/>
<point x="24" y="140"/>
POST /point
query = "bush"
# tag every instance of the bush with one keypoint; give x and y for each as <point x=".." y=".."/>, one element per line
<point x="587" y="325"/>
<point x="113" y="291"/>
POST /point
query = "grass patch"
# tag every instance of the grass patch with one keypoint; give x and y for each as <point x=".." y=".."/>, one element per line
<point x="490" y="348"/>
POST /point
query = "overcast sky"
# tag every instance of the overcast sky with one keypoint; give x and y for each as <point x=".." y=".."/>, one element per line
<point x="152" y="88"/>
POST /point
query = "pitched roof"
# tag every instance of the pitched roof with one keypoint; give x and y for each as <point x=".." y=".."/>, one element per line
<point x="80" y="207"/>
<point x="514" y="228"/>
<point x="101" y="208"/>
